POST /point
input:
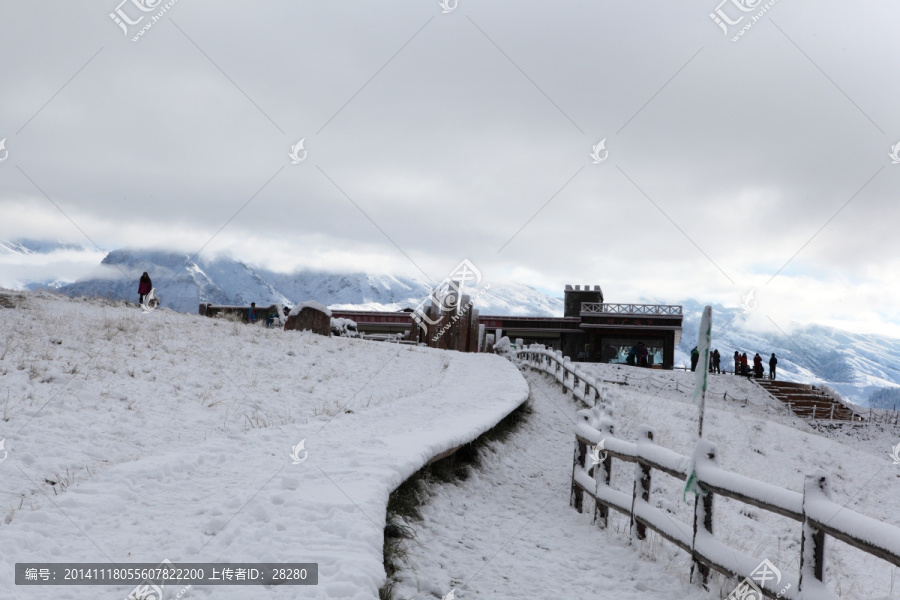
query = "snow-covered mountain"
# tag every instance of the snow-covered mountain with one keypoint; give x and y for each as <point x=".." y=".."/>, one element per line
<point x="855" y="365"/>
<point x="183" y="282"/>
<point x="30" y="246"/>
<point x="41" y="264"/>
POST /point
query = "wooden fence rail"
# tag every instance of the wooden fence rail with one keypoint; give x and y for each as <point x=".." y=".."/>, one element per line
<point x="819" y="516"/>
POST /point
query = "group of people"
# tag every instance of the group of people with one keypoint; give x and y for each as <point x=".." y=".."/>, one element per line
<point x="741" y="363"/>
<point x="639" y="355"/>
<point x="252" y="316"/>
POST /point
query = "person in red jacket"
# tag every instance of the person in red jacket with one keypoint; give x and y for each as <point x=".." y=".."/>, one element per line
<point x="144" y="287"/>
<point x="757" y="366"/>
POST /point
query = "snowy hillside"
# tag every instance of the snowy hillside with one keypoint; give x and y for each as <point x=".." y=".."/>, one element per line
<point x="134" y="437"/>
<point x="758" y="438"/>
<point x="140" y="437"/>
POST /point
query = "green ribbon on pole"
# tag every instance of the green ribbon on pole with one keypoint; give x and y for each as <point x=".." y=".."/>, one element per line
<point x="691" y="486"/>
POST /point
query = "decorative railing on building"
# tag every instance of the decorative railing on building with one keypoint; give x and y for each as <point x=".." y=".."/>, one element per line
<point x="630" y="309"/>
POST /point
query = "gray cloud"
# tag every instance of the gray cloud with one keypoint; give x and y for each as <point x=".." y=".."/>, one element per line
<point x="451" y="131"/>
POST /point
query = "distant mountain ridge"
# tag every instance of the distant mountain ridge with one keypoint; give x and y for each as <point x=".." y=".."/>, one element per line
<point x="30" y="246"/>
<point x="41" y="264"/>
<point x="183" y="282"/>
<point x="855" y="365"/>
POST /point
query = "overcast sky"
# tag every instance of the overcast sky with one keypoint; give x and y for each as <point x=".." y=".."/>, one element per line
<point x="758" y="164"/>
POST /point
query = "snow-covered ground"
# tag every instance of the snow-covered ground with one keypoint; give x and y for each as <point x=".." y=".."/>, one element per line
<point x="758" y="438"/>
<point x="521" y="539"/>
<point x="169" y="436"/>
<point x="138" y="437"/>
<point x="507" y="532"/>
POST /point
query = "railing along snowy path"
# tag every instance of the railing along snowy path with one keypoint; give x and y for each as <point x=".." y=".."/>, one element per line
<point x="813" y="508"/>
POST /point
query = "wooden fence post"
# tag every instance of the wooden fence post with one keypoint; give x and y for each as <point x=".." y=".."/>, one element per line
<point x="603" y="473"/>
<point x="703" y="516"/>
<point x="812" y="542"/>
<point x="641" y="485"/>
<point x="576" y="498"/>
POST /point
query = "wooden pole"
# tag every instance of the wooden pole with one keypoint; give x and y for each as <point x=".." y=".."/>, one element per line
<point x="603" y="474"/>
<point x="703" y="516"/>
<point x="812" y="542"/>
<point x="577" y="496"/>
<point x="642" y="486"/>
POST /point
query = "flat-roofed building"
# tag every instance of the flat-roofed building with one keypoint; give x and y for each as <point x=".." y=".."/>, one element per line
<point x="590" y="329"/>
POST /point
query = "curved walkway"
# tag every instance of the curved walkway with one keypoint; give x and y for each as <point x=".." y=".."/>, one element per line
<point x="508" y="531"/>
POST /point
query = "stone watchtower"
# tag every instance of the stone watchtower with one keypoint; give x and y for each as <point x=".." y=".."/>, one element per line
<point x="574" y="298"/>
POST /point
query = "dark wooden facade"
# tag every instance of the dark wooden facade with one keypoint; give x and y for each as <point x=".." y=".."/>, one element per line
<point x="594" y="331"/>
<point x="591" y="329"/>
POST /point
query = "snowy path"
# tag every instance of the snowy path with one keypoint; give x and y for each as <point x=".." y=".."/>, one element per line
<point x="168" y="481"/>
<point x="508" y="530"/>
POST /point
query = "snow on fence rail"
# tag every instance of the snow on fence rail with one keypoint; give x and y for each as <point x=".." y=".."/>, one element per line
<point x="813" y="508"/>
<point x="565" y="372"/>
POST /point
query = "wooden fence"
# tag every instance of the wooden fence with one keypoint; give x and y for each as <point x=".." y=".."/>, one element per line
<point x="819" y="516"/>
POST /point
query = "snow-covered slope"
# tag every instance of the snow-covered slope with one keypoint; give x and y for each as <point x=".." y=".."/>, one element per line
<point x="134" y="437"/>
<point x="757" y="437"/>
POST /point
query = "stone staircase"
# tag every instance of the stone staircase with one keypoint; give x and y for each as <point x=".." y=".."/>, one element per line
<point x="807" y="401"/>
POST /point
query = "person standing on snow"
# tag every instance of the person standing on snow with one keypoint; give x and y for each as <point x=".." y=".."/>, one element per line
<point x="144" y="287"/>
<point x="695" y="358"/>
<point x="757" y="366"/>
<point x="716" y="361"/>
<point x="745" y="370"/>
<point x="772" y="362"/>
<point x="737" y="363"/>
